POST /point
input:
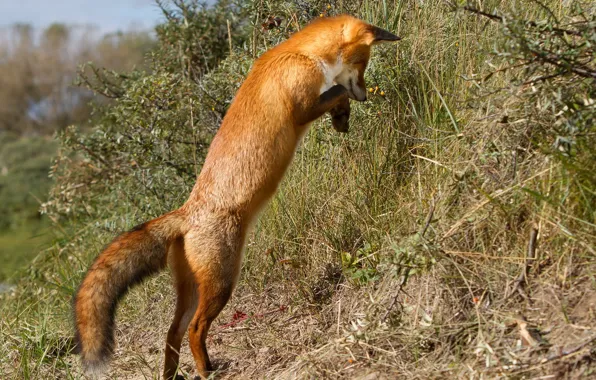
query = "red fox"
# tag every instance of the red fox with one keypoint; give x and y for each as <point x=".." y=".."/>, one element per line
<point x="314" y="72"/>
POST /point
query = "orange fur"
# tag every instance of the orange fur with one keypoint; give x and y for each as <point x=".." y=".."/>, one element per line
<point x="291" y="85"/>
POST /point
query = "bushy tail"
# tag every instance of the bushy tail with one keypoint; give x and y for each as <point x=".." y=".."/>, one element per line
<point x="125" y="262"/>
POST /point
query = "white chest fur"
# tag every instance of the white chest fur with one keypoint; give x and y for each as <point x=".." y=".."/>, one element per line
<point x="330" y="72"/>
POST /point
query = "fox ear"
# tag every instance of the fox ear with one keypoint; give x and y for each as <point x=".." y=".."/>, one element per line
<point x="381" y="35"/>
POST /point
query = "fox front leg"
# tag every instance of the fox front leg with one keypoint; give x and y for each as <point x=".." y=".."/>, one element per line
<point x="327" y="101"/>
<point x="340" y="112"/>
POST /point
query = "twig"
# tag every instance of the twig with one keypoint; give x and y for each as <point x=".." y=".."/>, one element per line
<point x="241" y="317"/>
<point x="552" y="357"/>
<point x="394" y="300"/>
<point x="95" y="155"/>
<point x="552" y="59"/>
<point x="230" y="330"/>
<point x="543" y="78"/>
<point x="490" y="198"/>
<point x="531" y="255"/>
<point x="530" y="23"/>
<point x="194" y="137"/>
<point x="564" y="353"/>
<point x="481" y="255"/>
<point x="338" y="315"/>
<point x="229" y="36"/>
<point x="433" y="161"/>
<point x="429" y="218"/>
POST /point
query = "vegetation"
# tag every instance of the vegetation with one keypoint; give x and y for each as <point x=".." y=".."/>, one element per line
<point x="37" y="98"/>
<point x="450" y="234"/>
<point x="24" y="166"/>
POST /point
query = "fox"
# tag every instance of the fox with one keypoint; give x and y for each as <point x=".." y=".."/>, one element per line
<point x="318" y="70"/>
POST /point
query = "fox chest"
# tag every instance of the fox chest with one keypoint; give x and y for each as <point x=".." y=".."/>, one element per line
<point x="330" y="71"/>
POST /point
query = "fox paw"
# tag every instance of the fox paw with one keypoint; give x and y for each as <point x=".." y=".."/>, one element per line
<point x="340" y="117"/>
<point x="341" y="123"/>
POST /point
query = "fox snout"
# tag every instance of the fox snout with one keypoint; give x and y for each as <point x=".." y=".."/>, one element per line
<point x="357" y="93"/>
<point x="356" y="89"/>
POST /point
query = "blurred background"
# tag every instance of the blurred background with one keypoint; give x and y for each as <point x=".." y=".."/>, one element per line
<point x="43" y="46"/>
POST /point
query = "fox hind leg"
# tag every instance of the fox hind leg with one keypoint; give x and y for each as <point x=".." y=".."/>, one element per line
<point x="211" y="303"/>
<point x="214" y="258"/>
<point x="186" y="305"/>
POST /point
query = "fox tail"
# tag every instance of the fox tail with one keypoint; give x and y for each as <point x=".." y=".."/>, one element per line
<point x="125" y="262"/>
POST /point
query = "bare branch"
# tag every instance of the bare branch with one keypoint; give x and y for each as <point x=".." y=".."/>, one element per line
<point x="500" y="19"/>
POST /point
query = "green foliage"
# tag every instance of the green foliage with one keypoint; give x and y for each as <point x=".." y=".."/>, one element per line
<point x="552" y="69"/>
<point x="24" y="182"/>
<point x="196" y="37"/>
<point x="358" y="265"/>
<point x="24" y="185"/>
<point x="150" y="141"/>
<point x="20" y="245"/>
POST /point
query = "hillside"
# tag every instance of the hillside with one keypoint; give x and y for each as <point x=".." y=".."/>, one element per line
<point x="450" y="234"/>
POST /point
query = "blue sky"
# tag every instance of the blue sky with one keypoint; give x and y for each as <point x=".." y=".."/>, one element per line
<point x="108" y="15"/>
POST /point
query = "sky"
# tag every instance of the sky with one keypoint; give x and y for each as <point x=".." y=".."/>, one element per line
<point x="107" y="15"/>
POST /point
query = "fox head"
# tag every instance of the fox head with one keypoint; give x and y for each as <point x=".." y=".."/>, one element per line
<point x="358" y="38"/>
